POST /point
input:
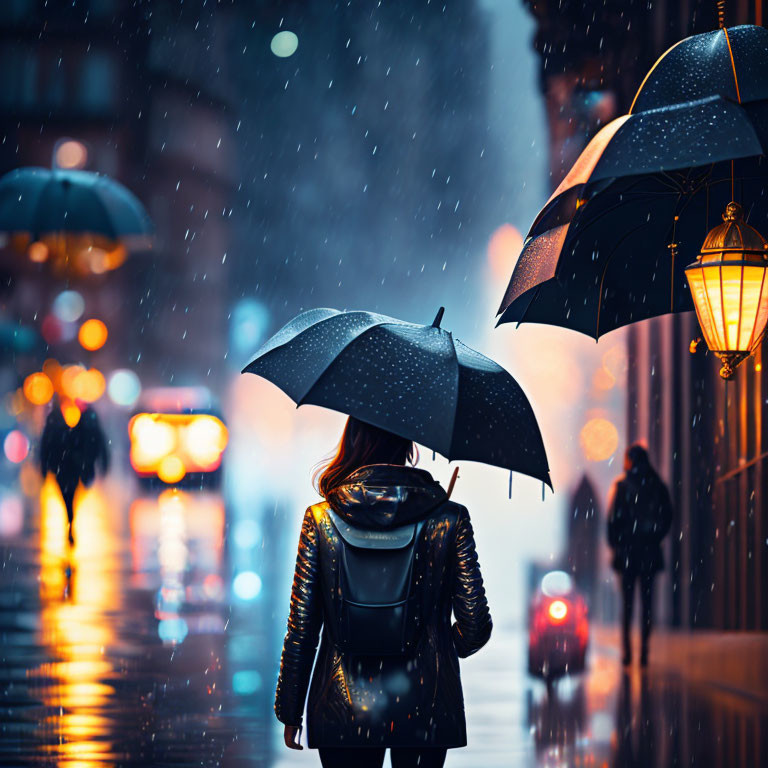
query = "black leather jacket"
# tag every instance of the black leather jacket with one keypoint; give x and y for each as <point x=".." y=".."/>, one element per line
<point x="413" y="700"/>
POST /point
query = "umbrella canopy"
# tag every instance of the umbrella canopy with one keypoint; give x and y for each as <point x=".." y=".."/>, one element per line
<point x="598" y="255"/>
<point x="42" y="201"/>
<point x="725" y="62"/>
<point x="414" y="380"/>
<point x="611" y="264"/>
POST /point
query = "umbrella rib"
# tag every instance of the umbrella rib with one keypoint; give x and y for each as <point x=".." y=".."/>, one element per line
<point x="456" y="404"/>
<point x="113" y="234"/>
<point x="650" y="72"/>
<point x="733" y="65"/>
<point x="260" y="354"/>
<point x="605" y="269"/>
<point x="528" y="306"/>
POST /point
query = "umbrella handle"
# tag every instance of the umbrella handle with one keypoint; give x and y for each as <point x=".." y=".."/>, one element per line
<point x="453" y="482"/>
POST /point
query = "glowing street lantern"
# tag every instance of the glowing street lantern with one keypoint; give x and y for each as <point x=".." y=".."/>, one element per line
<point x="729" y="288"/>
<point x="38" y="389"/>
<point x="92" y="334"/>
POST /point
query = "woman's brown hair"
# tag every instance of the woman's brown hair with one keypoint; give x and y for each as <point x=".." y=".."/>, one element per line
<point x="362" y="444"/>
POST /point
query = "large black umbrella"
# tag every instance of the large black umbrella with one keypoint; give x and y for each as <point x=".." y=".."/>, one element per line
<point x="611" y="265"/>
<point x="42" y="201"/>
<point x="414" y="380"/>
<point x="598" y="257"/>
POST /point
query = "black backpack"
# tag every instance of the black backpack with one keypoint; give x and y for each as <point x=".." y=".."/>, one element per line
<point x="378" y="611"/>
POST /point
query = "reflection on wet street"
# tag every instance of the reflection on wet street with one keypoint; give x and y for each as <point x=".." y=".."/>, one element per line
<point x="139" y="648"/>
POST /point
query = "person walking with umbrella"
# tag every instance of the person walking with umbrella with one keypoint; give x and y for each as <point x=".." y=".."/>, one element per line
<point x="72" y="455"/>
<point x="386" y="558"/>
<point x="639" y="517"/>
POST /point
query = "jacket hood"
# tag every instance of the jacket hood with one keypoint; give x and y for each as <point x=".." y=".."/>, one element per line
<point x="386" y="495"/>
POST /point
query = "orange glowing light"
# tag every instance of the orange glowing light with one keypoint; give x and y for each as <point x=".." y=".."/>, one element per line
<point x="503" y="249"/>
<point x="71" y="154"/>
<point x="53" y="371"/>
<point x="194" y="441"/>
<point x="599" y="439"/>
<point x="171" y="469"/>
<point x="558" y="610"/>
<point x="89" y="385"/>
<point x="67" y="380"/>
<point x="92" y="334"/>
<point x="603" y="379"/>
<point x="38" y="252"/>
<point x="38" y="388"/>
<point x="71" y="414"/>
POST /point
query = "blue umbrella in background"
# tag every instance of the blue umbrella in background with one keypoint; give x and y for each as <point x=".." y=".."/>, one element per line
<point x="416" y="381"/>
<point x="79" y="215"/>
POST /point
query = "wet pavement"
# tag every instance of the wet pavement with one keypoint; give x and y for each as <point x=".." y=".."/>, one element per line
<point x="132" y="649"/>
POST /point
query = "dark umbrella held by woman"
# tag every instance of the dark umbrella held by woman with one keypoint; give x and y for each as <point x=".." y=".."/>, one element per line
<point x="639" y="517"/>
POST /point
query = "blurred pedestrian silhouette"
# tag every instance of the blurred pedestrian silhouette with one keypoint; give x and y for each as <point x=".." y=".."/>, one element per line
<point x="639" y="517"/>
<point x="72" y="453"/>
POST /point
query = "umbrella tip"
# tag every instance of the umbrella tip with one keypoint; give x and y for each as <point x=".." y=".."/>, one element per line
<point x="438" y="317"/>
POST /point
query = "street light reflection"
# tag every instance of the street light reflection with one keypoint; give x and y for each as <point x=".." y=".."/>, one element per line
<point x="78" y="588"/>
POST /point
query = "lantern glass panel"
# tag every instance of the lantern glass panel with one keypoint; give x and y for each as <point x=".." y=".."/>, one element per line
<point x="713" y="294"/>
<point x="754" y="306"/>
<point x="701" y="302"/>
<point x="731" y="297"/>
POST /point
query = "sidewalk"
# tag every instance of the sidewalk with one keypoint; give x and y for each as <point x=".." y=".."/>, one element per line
<point x="734" y="662"/>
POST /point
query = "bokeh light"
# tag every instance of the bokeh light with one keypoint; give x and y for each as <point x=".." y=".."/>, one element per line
<point x="503" y="249"/>
<point x="38" y="388"/>
<point x="69" y="306"/>
<point x="205" y="439"/>
<point x="71" y="414"/>
<point x="11" y="515"/>
<point x="246" y="682"/>
<point x="52" y="329"/>
<point x="16" y="446"/>
<point x="284" y="44"/>
<point x="173" y="630"/>
<point x="171" y="469"/>
<point x="87" y="386"/>
<point x="92" y="334"/>
<point x="124" y="387"/>
<point x="599" y="439"/>
<point x="247" y="585"/>
<point x="71" y="154"/>
<point x="196" y="440"/>
<point x="38" y="252"/>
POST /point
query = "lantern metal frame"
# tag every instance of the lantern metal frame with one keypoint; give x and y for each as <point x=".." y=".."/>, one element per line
<point x="721" y="249"/>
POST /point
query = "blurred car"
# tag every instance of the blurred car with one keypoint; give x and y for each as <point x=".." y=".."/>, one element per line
<point x="558" y="628"/>
<point x="177" y="438"/>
